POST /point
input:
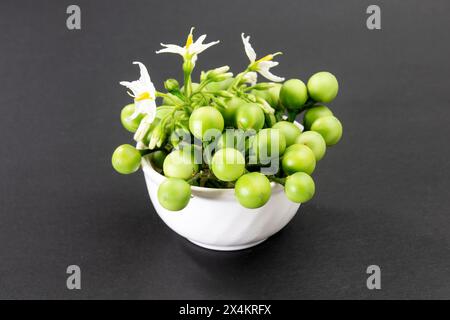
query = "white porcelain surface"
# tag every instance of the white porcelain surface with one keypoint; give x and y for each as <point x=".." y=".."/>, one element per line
<point x="214" y="219"/>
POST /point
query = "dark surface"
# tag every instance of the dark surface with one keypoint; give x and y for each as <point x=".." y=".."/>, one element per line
<point x="383" y="192"/>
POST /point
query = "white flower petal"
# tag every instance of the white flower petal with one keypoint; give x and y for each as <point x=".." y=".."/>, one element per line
<point x="221" y="69"/>
<point x="264" y="70"/>
<point x="207" y="45"/>
<point x="134" y="86"/>
<point x="251" y="54"/>
<point x="141" y="131"/>
<point x="267" y="64"/>
<point x="172" y="48"/>
<point x="194" y="59"/>
<point x="145" y="77"/>
<point x="191" y="50"/>
<point x="144" y="126"/>
<point x="199" y="41"/>
<point x="125" y="83"/>
<point x="198" y="46"/>
<point x="270" y="76"/>
<point x="145" y="80"/>
<point x="147" y="107"/>
<point x="141" y="146"/>
<point x="143" y="85"/>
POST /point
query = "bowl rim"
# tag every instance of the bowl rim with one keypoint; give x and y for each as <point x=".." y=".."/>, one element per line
<point x="148" y="167"/>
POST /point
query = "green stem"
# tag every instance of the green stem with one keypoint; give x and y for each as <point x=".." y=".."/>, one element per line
<point x="230" y="184"/>
<point x="238" y="79"/>
<point x="203" y="181"/>
<point x="292" y="115"/>
<point x="250" y="88"/>
<point x="187" y="86"/>
<point x="187" y="70"/>
<point x="281" y="181"/>
<point x="168" y="97"/>
<point x="309" y="104"/>
<point x="145" y="152"/>
<point x="201" y="86"/>
<point x="195" y="177"/>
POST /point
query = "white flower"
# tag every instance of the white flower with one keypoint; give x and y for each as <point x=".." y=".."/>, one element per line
<point x="191" y="49"/>
<point x="144" y="94"/>
<point x="262" y="65"/>
<point x="218" y="74"/>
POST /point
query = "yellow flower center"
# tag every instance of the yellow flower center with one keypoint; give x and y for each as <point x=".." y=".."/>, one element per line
<point x="189" y="39"/>
<point x="143" y="96"/>
<point x="268" y="57"/>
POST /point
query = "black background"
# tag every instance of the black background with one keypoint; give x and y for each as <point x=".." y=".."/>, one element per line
<point x="382" y="193"/>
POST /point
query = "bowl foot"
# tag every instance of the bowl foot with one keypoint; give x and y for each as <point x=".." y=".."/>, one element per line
<point x="227" y="248"/>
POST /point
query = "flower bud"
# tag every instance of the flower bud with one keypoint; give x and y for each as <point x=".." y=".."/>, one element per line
<point x="143" y="129"/>
<point x="219" y="102"/>
<point x="225" y="94"/>
<point x="265" y="106"/>
<point x="222" y="77"/>
<point x="156" y="136"/>
<point x="161" y="139"/>
<point x="203" y="75"/>
<point x="220" y="70"/>
<point x="171" y="85"/>
<point x="264" y="86"/>
<point x="217" y="74"/>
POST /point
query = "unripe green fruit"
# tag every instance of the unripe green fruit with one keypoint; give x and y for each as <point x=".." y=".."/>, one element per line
<point x="180" y="164"/>
<point x="289" y="130"/>
<point x="174" y="194"/>
<point x="229" y="113"/>
<point x="271" y="95"/>
<point x="204" y="119"/>
<point x="267" y="144"/>
<point x="253" y="190"/>
<point x="298" y="158"/>
<point x="330" y="128"/>
<point x="249" y="116"/>
<point x="314" y="141"/>
<point x="157" y="158"/>
<point x="315" y="113"/>
<point x="228" y="164"/>
<point x="126" y="159"/>
<point x="293" y="94"/>
<point x="130" y="124"/>
<point x="299" y="187"/>
<point x="323" y="87"/>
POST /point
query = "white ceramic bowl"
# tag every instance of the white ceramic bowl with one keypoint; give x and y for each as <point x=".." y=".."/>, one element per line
<point x="214" y="219"/>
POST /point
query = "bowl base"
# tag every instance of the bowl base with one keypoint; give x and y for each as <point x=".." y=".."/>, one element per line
<point x="227" y="248"/>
